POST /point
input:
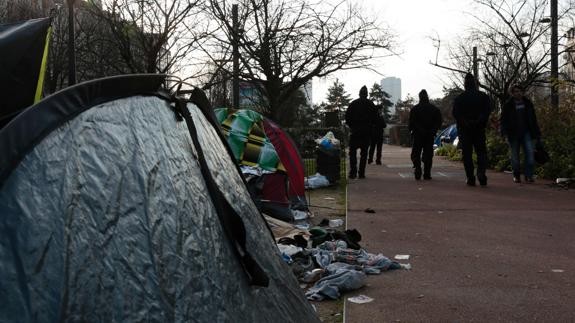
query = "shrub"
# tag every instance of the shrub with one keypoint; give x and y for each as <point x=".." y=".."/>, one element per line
<point x="558" y="135"/>
<point x="450" y="151"/>
<point x="497" y="151"/>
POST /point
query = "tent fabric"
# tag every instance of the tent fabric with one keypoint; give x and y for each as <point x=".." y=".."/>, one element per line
<point x="239" y="125"/>
<point x="106" y="218"/>
<point x="449" y="134"/>
<point x="47" y="115"/>
<point x="273" y="199"/>
<point x="246" y="137"/>
<point x="291" y="159"/>
<point x="22" y="49"/>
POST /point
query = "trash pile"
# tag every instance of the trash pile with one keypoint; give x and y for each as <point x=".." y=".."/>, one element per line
<point x="331" y="262"/>
<point x="328" y="142"/>
<point x="328" y="161"/>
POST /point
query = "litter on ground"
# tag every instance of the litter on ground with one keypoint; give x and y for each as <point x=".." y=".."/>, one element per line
<point x="360" y="299"/>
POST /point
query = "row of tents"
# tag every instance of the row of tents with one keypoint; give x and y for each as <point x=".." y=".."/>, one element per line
<point x="120" y="201"/>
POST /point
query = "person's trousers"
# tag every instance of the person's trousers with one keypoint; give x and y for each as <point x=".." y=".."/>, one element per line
<point x="474" y="140"/>
<point x="422" y="150"/>
<point x="516" y="144"/>
<point x="375" y="147"/>
<point x="356" y="142"/>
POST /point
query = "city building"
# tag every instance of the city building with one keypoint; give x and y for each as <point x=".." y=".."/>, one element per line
<point x="392" y="86"/>
<point x="569" y="56"/>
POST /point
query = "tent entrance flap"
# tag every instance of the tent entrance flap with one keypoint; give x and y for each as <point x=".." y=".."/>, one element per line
<point x="232" y="223"/>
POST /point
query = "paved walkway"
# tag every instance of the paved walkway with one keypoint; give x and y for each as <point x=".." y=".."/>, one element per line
<point x="501" y="253"/>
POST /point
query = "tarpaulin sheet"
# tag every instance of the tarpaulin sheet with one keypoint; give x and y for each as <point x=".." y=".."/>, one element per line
<point x="107" y="219"/>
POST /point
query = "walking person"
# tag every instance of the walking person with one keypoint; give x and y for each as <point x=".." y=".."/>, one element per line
<point x="359" y="117"/>
<point x="424" y="121"/>
<point x="519" y="124"/>
<point x="471" y="111"/>
<point x="377" y="138"/>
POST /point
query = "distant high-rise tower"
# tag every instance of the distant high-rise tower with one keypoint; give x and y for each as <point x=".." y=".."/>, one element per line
<point x="392" y="85"/>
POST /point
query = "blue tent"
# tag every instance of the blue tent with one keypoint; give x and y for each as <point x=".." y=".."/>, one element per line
<point x="120" y="202"/>
<point x="447" y="135"/>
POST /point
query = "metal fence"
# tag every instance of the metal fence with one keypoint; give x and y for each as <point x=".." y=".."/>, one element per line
<point x="305" y="141"/>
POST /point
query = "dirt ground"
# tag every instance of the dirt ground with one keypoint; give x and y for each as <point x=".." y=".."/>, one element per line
<point x="328" y="203"/>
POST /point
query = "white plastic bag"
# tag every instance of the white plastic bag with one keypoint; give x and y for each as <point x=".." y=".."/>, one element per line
<point x="328" y="141"/>
<point x="316" y="181"/>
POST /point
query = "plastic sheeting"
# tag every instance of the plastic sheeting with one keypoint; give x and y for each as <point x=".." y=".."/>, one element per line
<point x="107" y="219"/>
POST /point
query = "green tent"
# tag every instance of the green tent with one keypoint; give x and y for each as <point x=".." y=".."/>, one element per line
<point x="244" y="131"/>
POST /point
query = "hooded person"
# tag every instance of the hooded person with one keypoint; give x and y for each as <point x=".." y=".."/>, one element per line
<point x="424" y="121"/>
<point x="360" y="117"/>
<point x="471" y="111"/>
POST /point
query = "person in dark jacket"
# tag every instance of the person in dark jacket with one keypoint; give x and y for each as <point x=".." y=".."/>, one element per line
<point x="359" y="117"/>
<point x="471" y="111"/>
<point x="424" y="121"/>
<point x="377" y="138"/>
<point x="519" y="124"/>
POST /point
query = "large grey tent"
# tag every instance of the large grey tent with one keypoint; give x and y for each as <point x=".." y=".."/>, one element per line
<point x="119" y="203"/>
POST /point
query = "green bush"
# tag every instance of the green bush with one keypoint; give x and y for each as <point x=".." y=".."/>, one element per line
<point x="558" y="135"/>
<point x="450" y="151"/>
<point x="497" y="151"/>
<point x="442" y="151"/>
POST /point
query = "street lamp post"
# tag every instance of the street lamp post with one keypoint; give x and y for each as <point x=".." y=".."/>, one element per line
<point x="554" y="56"/>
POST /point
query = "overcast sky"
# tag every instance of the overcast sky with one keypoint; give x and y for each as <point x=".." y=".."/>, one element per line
<point x="413" y="22"/>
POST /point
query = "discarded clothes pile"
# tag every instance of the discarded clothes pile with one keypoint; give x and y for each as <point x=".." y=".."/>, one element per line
<point x="333" y="261"/>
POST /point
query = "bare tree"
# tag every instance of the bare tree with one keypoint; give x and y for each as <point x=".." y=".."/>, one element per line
<point x="151" y="36"/>
<point x="284" y="44"/>
<point x="513" y="40"/>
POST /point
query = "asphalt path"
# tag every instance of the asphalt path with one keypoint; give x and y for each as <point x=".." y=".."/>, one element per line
<point x="500" y="253"/>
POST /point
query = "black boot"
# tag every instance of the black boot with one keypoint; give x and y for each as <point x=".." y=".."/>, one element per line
<point x="482" y="179"/>
<point x="426" y="173"/>
<point x="417" y="174"/>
